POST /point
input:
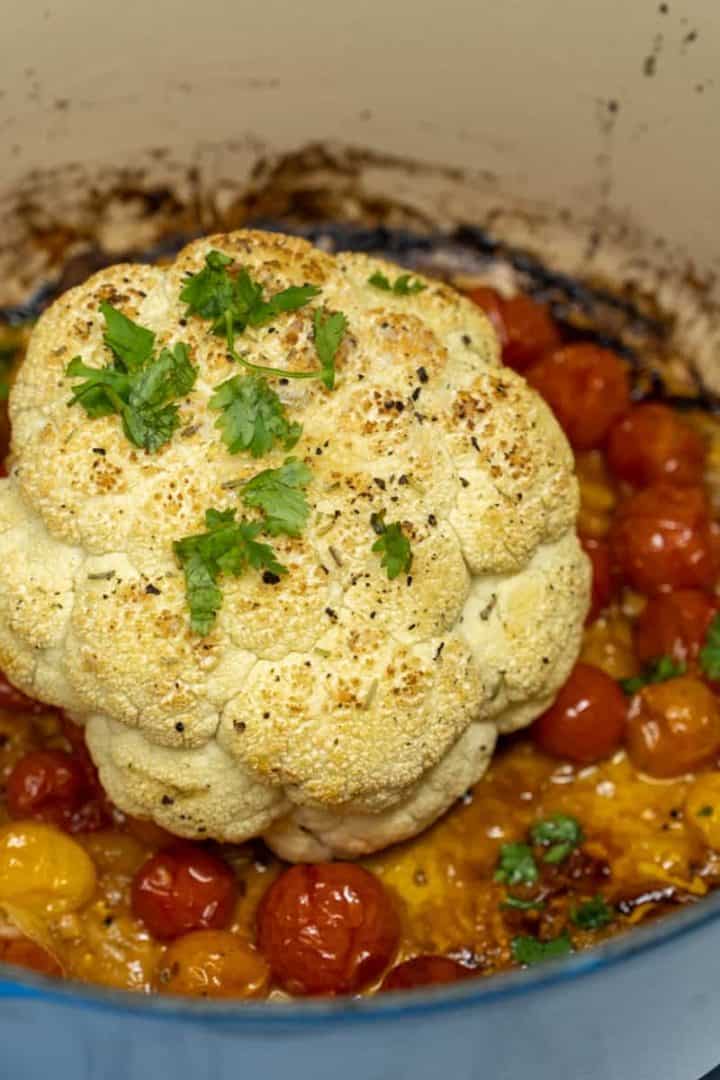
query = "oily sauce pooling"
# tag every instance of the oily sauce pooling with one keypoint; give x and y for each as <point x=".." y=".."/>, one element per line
<point x="605" y="814"/>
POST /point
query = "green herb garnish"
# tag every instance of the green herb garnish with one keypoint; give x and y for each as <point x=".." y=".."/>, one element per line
<point x="657" y="671"/>
<point x="226" y="547"/>
<point x="252" y="416"/>
<point x="213" y="293"/>
<point x="710" y="653"/>
<point x="529" y="950"/>
<point x="593" y="914"/>
<point x="516" y="865"/>
<point x="280" y="494"/>
<point x="560" y="834"/>
<point x="705" y="811"/>
<point x="402" y="286"/>
<point x="234" y="303"/>
<point x="329" y="331"/>
<point x="392" y="545"/>
<point x="142" y="390"/>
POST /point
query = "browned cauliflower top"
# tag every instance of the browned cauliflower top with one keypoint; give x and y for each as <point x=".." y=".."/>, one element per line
<point x="334" y="710"/>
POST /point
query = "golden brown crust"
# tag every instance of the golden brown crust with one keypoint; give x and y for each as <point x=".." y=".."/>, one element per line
<point x="330" y="700"/>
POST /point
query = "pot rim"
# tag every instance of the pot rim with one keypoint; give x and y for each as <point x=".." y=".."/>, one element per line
<point x="342" y="1012"/>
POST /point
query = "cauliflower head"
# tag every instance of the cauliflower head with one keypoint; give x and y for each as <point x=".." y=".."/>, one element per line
<point x="331" y="709"/>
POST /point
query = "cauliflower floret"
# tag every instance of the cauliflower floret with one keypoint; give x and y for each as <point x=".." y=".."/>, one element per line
<point x="334" y="711"/>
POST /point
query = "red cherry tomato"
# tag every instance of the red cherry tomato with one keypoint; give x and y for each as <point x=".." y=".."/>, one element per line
<point x="47" y="785"/>
<point x="652" y="444"/>
<point x="662" y="538"/>
<point x="492" y="304"/>
<point x="598" y="551"/>
<point x="425" y="971"/>
<point x="15" y="701"/>
<point x="674" y="624"/>
<point x="673" y="727"/>
<point x="327" y="928"/>
<point x="183" y="888"/>
<point x="587" y="721"/>
<point x="586" y="387"/>
<point x="529" y="331"/>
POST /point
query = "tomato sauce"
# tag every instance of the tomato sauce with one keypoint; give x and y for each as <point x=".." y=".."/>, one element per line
<point x="604" y="814"/>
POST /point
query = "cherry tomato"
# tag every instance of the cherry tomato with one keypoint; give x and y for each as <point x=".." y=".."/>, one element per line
<point x="586" y="387"/>
<point x="661" y="538"/>
<point x="25" y="953"/>
<point x="587" y="720"/>
<point x="15" y="701"/>
<point x="673" y="727"/>
<point x="598" y="552"/>
<point x="425" y="971"/>
<point x="215" y="964"/>
<point x="652" y="444"/>
<point x="492" y="304"/>
<point x="529" y="331"/>
<point x="47" y="785"/>
<point x="327" y="928"/>
<point x="674" y="624"/>
<point x="183" y="888"/>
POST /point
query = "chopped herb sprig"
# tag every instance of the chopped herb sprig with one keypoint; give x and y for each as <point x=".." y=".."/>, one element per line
<point x="404" y="285"/>
<point x="140" y="388"/>
<point x="392" y="545"/>
<point x="656" y="671"/>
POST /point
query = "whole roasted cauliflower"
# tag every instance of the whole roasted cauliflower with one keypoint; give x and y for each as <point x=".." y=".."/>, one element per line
<point x="332" y="685"/>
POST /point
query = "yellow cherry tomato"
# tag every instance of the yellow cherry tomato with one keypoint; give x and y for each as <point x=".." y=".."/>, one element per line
<point x="42" y="870"/>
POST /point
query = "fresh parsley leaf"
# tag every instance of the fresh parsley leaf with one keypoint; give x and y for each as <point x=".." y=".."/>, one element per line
<point x="227" y="546"/>
<point x="236" y="302"/>
<point x="710" y="653"/>
<point x="593" y="914"/>
<point x="529" y="950"/>
<point x="657" y="671"/>
<point x="560" y="834"/>
<point x="329" y="331"/>
<point x="523" y="905"/>
<point x="253" y="417"/>
<point x="233" y="303"/>
<point x="402" y="286"/>
<point x="392" y="545"/>
<point x="131" y="345"/>
<point x="516" y="865"/>
<point x="280" y="494"/>
<point x="705" y="811"/>
<point x="140" y="389"/>
<point x="296" y="296"/>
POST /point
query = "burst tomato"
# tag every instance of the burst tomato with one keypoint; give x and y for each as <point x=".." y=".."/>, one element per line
<point x="586" y="387"/>
<point x="587" y="720"/>
<point x="327" y="928"/>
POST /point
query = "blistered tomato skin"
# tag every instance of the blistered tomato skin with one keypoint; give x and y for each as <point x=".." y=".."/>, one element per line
<point x="529" y="331"/>
<point x="662" y="539"/>
<point x="425" y="971"/>
<point x="491" y="303"/>
<point x="327" y="928"/>
<point x="586" y="387"/>
<point x="42" y="870"/>
<point x="674" y="624"/>
<point x="587" y="720"/>
<point x="46" y="785"/>
<point x="673" y="727"/>
<point x="598" y="552"/>
<point x="652" y="444"/>
<point x="183" y="888"/>
<point x="214" y="964"/>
